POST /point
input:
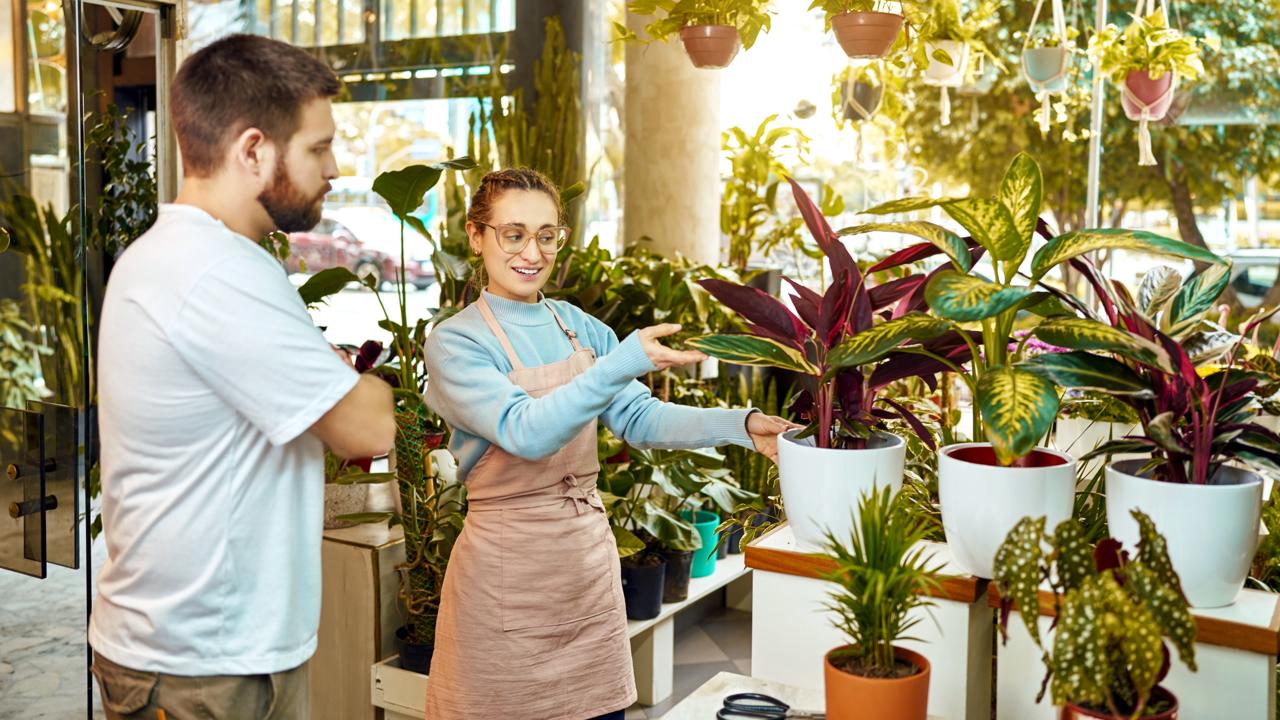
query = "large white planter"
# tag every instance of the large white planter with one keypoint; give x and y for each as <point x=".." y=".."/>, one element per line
<point x="821" y="487"/>
<point x="940" y="73"/>
<point x="982" y="501"/>
<point x="1211" y="530"/>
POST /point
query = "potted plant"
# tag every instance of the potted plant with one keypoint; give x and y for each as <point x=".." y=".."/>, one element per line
<point x="883" y="578"/>
<point x="1146" y="60"/>
<point x="1015" y="403"/>
<point x="948" y="39"/>
<point x="748" y="205"/>
<point x="1113" y="610"/>
<point x="864" y="28"/>
<point x="711" y="30"/>
<point x="1198" y="435"/>
<point x="859" y="92"/>
<point x="1046" y="61"/>
<point x="842" y="345"/>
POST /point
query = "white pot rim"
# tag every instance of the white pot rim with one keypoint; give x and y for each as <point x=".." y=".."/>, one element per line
<point x="947" y="452"/>
<point x="1236" y="477"/>
<point x="894" y="441"/>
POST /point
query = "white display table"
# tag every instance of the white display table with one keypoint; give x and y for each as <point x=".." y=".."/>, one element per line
<point x="791" y="628"/>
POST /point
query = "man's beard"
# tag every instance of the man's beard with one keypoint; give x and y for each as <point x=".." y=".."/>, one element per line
<point x="285" y="203"/>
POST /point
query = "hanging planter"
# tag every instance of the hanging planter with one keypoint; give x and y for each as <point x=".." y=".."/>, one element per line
<point x="860" y="100"/>
<point x="1147" y="60"/>
<point x="866" y="34"/>
<point x="946" y="72"/>
<point x="712" y="31"/>
<point x="710" y="47"/>
<point x="1046" y="61"/>
<point x="948" y="39"/>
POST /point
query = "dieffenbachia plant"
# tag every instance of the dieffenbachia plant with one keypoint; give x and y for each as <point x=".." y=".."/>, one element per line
<point x="1113" y="611"/>
<point x="1015" y="404"/>
<point x="847" y="343"/>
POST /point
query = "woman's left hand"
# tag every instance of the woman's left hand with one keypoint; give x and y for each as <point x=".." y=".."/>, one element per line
<point x="764" y="431"/>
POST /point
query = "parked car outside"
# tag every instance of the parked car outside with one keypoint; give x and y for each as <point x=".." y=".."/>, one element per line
<point x="349" y="239"/>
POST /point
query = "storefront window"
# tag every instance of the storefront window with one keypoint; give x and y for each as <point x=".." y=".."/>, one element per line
<point x="47" y="68"/>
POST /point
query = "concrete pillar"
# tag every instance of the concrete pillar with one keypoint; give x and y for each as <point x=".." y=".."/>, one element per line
<point x="672" y="155"/>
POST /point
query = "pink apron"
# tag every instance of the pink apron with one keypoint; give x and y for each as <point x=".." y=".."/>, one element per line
<point x="532" y="622"/>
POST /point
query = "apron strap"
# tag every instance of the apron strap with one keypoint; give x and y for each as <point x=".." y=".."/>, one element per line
<point x="573" y="336"/>
<point x="493" y="324"/>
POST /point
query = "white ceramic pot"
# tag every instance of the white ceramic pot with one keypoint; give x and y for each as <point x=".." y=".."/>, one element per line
<point x="1211" y="530"/>
<point x="821" y="487"/>
<point x="982" y="501"/>
<point x="1079" y="436"/>
<point x="940" y="73"/>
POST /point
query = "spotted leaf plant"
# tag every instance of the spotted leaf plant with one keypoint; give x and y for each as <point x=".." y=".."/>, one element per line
<point x="1115" y="613"/>
<point x="1015" y="405"/>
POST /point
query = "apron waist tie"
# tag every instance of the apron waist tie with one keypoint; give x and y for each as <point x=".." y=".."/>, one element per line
<point x="582" y="497"/>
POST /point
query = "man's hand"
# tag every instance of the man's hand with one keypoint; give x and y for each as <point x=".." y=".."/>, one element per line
<point x="764" y="431"/>
<point x="662" y="356"/>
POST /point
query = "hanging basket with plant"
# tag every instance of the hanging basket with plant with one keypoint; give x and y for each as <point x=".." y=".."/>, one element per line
<point x="1046" y="60"/>
<point x="1146" y="61"/>
<point x="711" y="30"/>
<point x="951" y="52"/>
<point x="864" y="28"/>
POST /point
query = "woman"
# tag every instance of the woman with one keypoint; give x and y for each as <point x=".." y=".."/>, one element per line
<point x="532" y="623"/>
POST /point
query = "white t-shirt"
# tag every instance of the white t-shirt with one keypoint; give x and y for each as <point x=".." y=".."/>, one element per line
<point x="210" y="372"/>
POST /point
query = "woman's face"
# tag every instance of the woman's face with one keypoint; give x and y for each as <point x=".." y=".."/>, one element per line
<point x="518" y="215"/>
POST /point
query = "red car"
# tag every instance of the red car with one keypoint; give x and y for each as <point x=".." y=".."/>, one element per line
<point x="333" y="243"/>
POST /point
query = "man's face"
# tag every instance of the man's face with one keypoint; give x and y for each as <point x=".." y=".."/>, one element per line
<point x="303" y="170"/>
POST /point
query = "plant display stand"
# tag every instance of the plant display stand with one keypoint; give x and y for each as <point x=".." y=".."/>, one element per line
<point x="1236" y="652"/>
<point x="403" y="694"/>
<point x="791" y="628"/>
<point x="359" y="615"/>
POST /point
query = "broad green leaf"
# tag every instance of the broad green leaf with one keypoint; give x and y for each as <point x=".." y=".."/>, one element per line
<point x="1020" y="192"/>
<point x="757" y="351"/>
<point x="1160" y="429"/>
<point x="1140" y="647"/>
<point x="1168" y="609"/>
<point x="1078" y="242"/>
<point x="1086" y="371"/>
<point x="628" y="543"/>
<point x="1082" y="334"/>
<point x="1046" y="305"/>
<point x="1199" y="293"/>
<point x="1158" y="285"/>
<point x="1018" y="408"/>
<point x="991" y="224"/>
<point x="1081" y="643"/>
<point x="879" y="340"/>
<point x="325" y="283"/>
<point x="1017" y="570"/>
<point x="1073" y="553"/>
<point x="405" y="189"/>
<point x="905" y="205"/>
<point x="671" y="531"/>
<point x="965" y="298"/>
<point x="940" y="237"/>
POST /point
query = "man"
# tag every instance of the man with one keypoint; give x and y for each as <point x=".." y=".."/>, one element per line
<point x="216" y="393"/>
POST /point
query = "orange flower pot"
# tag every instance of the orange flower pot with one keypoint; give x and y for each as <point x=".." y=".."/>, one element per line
<point x="853" y="697"/>
<point x="711" y="46"/>
<point x="866" y="34"/>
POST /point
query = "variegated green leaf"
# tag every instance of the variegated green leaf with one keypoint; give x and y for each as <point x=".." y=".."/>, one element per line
<point x="628" y="543"/>
<point x="1141" y="649"/>
<point x="877" y="341"/>
<point x="1086" y="371"/>
<point x="1073" y="555"/>
<point x="1017" y="570"/>
<point x="1082" y="666"/>
<point x="1078" y="242"/>
<point x="905" y="205"/>
<point x="1160" y="429"/>
<point x="965" y="298"/>
<point x="943" y="239"/>
<point x="1199" y="293"/>
<point x="750" y="350"/>
<point x="1020" y="192"/>
<point x="1083" y="334"/>
<point x="1018" y="408"/>
<point x="1158" y="285"/>
<point x="1153" y="551"/>
<point x="1168" y="610"/>
<point x="992" y="225"/>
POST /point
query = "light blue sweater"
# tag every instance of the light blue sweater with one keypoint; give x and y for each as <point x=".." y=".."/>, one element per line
<point x="468" y="386"/>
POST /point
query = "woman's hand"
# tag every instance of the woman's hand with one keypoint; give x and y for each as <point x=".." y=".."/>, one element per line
<point x="662" y="356"/>
<point x="764" y="431"/>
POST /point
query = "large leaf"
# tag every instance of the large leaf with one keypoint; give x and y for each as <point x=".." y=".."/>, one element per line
<point x="325" y="283"/>
<point x="1082" y="334"/>
<point x="874" y="343"/>
<point x="1017" y="571"/>
<point x="943" y="239"/>
<point x="671" y="531"/>
<point x="965" y="298"/>
<point x="837" y="254"/>
<point x="1198" y="294"/>
<point x="1086" y="371"/>
<point x="757" y="306"/>
<point x="1018" y="408"/>
<point x="905" y="205"/>
<point x="1079" y="242"/>
<point x="1158" y="285"/>
<point x="628" y="543"/>
<point x="1020" y="192"/>
<point x="992" y="225"/>
<point x="757" y="351"/>
<point x="405" y="189"/>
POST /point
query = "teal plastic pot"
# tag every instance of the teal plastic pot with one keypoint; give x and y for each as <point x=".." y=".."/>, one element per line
<point x="704" y="558"/>
<point x="1046" y="68"/>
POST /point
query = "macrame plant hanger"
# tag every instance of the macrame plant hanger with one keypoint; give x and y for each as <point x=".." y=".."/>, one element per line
<point x="1144" y="114"/>
<point x="864" y="113"/>
<point x="1041" y="87"/>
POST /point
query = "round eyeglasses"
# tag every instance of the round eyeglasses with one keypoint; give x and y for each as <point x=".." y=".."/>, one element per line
<point x="514" y="239"/>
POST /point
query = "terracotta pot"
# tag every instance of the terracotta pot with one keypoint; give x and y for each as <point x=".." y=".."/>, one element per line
<point x="711" y="46"/>
<point x="1153" y="92"/>
<point x="866" y="34"/>
<point x="853" y="697"/>
<point x="1072" y="711"/>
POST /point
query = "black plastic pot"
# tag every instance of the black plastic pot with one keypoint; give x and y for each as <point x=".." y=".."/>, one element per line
<point x="722" y="548"/>
<point x="734" y="544"/>
<point x="642" y="587"/>
<point x="675" y="584"/>
<point x="414" y="657"/>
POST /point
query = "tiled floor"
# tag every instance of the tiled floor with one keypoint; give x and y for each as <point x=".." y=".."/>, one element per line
<point x="721" y="642"/>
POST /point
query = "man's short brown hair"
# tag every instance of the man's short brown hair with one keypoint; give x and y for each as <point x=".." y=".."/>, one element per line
<point x="241" y="82"/>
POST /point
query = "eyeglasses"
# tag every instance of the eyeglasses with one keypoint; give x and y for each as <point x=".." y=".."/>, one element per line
<point x="514" y="239"/>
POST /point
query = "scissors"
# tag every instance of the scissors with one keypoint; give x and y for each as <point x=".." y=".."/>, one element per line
<point x="755" y="705"/>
